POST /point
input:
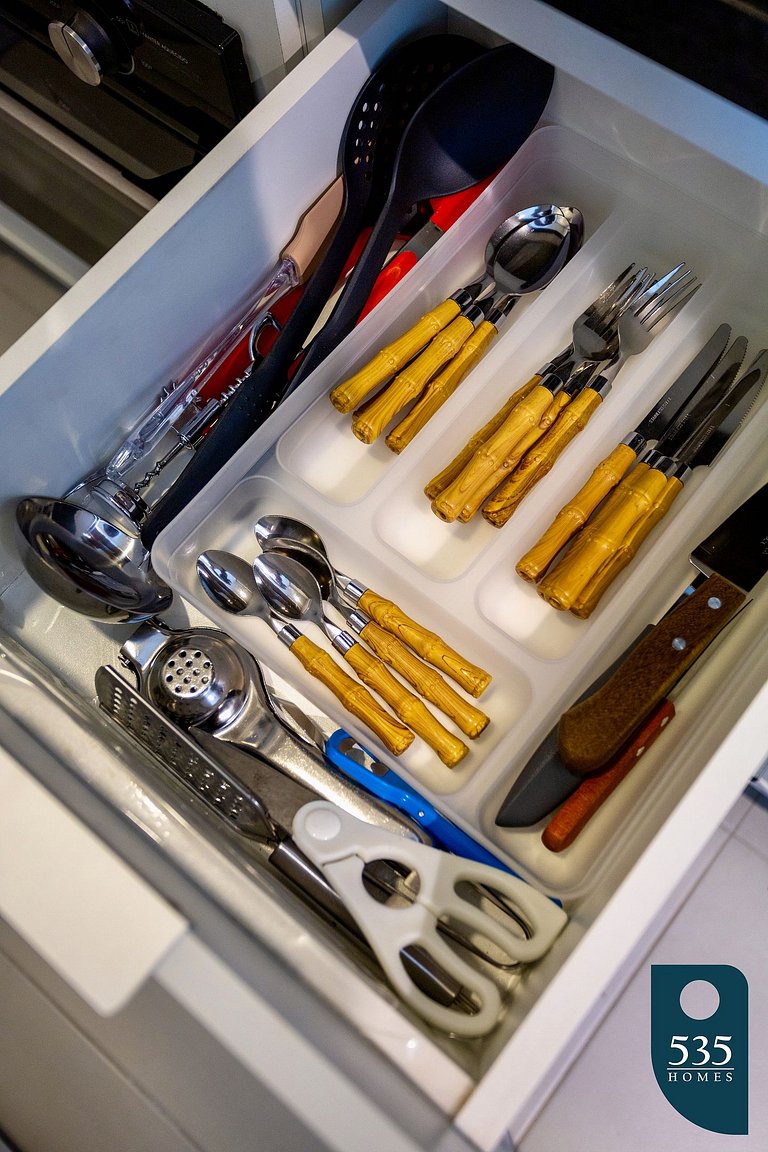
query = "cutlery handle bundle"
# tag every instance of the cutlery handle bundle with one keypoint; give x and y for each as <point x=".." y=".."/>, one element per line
<point x="354" y="697"/>
<point x="426" y="680"/>
<point x="406" y="706"/>
<point x="427" y="644"/>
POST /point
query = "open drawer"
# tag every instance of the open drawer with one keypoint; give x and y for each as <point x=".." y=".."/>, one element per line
<point x="90" y="366"/>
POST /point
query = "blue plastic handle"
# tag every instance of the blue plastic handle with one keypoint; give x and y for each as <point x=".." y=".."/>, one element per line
<point x="388" y="786"/>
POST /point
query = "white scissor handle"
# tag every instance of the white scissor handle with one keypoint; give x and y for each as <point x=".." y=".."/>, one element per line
<point x="341" y="844"/>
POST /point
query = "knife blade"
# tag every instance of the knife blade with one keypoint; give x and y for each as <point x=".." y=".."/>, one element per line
<point x="734" y="558"/>
<point x="662" y="480"/>
<point x="534" y="564"/>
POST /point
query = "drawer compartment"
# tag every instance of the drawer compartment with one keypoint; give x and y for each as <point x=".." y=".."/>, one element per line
<point x="88" y="369"/>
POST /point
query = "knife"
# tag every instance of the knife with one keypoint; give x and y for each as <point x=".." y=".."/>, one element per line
<point x="610" y="471"/>
<point x="656" y="485"/>
<point x="734" y="559"/>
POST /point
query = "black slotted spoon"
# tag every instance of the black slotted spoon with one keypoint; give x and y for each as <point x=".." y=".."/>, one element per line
<point x="369" y="144"/>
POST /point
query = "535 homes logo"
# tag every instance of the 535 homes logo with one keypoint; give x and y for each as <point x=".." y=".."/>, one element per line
<point x="699" y="1043"/>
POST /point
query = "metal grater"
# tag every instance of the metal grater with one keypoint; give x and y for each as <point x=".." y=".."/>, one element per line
<point x="210" y="781"/>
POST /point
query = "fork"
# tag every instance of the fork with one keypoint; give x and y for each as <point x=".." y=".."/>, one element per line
<point x="635" y="319"/>
<point x="491" y="454"/>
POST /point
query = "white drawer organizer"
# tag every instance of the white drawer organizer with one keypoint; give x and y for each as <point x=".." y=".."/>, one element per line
<point x="647" y="195"/>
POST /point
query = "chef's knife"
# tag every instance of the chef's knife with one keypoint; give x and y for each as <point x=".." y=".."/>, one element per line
<point x="656" y="484"/>
<point x="610" y="471"/>
<point x="734" y="558"/>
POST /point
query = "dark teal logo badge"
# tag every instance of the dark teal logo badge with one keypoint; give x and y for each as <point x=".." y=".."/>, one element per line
<point x="699" y="1043"/>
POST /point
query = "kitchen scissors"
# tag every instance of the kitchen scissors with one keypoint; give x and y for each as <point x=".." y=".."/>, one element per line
<point x="341" y="846"/>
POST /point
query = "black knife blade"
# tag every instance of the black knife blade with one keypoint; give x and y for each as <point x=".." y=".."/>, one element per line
<point x="736" y="557"/>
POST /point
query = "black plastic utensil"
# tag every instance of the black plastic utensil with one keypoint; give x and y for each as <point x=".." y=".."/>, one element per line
<point x="369" y="145"/>
<point x="470" y="125"/>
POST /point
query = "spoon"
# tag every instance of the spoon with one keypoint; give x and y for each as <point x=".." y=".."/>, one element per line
<point x="231" y="584"/>
<point x="427" y="682"/>
<point x="292" y="591"/>
<point x="524" y="261"/>
<point x="426" y="644"/>
<point x="392" y="358"/>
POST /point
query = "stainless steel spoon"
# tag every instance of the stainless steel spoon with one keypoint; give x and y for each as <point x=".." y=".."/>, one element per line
<point x="230" y="583"/>
<point x="291" y="590"/>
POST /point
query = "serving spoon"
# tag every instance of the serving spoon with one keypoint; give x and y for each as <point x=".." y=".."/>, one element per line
<point x="292" y="592"/>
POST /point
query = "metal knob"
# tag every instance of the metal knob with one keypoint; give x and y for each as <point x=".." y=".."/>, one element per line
<point x="85" y="47"/>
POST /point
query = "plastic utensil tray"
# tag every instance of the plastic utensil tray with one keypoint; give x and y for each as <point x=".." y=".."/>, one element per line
<point x="368" y="504"/>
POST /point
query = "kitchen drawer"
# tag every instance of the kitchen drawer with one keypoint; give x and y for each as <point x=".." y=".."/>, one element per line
<point x="660" y="165"/>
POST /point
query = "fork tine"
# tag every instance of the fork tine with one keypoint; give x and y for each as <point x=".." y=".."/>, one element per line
<point x="670" y="304"/>
<point x="663" y="282"/>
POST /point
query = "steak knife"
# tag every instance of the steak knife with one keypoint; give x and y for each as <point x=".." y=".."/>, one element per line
<point x="734" y="559"/>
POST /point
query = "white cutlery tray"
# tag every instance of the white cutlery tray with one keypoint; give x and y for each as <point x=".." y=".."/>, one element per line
<point x="368" y="504"/>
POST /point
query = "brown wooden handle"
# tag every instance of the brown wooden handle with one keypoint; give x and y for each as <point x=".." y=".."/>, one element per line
<point x="425" y="679"/>
<point x="389" y="360"/>
<point x="441" y="387"/>
<point x="592" y="731"/>
<point x="355" y="698"/>
<point x="602" y="537"/>
<point x="406" y="706"/>
<point x="537" y="463"/>
<point x="573" y="515"/>
<point x="585" y="604"/>
<point x="493" y="460"/>
<point x="459" y="462"/>
<point x="373" y="418"/>
<point x="574" y="815"/>
<point x="427" y="644"/>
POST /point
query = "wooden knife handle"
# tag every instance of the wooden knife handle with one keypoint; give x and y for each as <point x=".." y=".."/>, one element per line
<point x="373" y="417"/>
<point x="493" y="460"/>
<point x="592" y="732"/>
<point x="535" y="465"/>
<point x="389" y="360"/>
<point x="355" y="698"/>
<point x="459" y="462"/>
<point x="427" y="644"/>
<point x="441" y="387"/>
<point x="406" y="706"/>
<point x="425" y="679"/>
<point x="573" y="515"/>
<point x="585" y="604"/>
<point x="576" y="812"/>
<point x="602" y="537"/>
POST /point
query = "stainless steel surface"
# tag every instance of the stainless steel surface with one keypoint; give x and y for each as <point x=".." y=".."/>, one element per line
<point x="526" y="258"/>
<point x="206" y="682"/>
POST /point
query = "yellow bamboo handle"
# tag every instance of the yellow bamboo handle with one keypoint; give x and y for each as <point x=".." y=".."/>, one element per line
<point x="406" y="706"/>
<point x="493" y="460"/>
<point x="393" y="357"/>
<point x="425" y="680"/>
<point x="356" y="699"/>
<point x="573" y="515"/>
<point x="427" y="644"/>
<point x="452" y="470"/>
<point x="539" y="461"/>
<point x="601" y="538"/>
<point x="586" y="603"/>
<point x="441" y="387"/>
<point x="372" y="419"/>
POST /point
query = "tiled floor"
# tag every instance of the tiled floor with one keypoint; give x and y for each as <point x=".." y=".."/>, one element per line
<point x="610" y="1100"/>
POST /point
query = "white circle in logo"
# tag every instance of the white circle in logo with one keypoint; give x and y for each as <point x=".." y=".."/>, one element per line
<point x="699" y="999"/>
